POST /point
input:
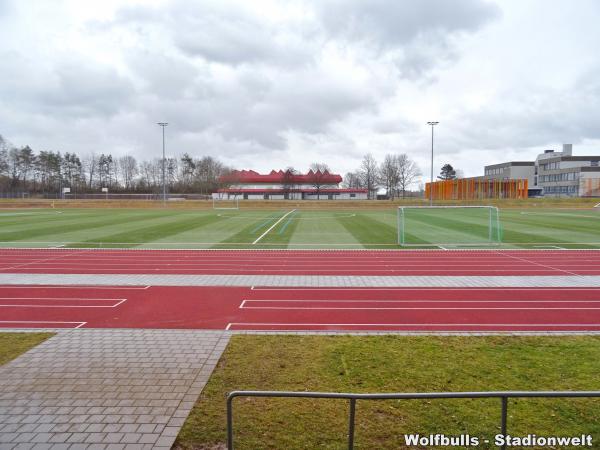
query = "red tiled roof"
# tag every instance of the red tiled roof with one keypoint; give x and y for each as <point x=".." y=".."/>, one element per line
<point x="250" y="176"/>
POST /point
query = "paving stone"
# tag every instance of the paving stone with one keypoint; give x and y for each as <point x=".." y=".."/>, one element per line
<point x="307" y="280"/>
<point x="107" y="388"/>
<point x="130" y="438"/>
<point x="148" y="438"/>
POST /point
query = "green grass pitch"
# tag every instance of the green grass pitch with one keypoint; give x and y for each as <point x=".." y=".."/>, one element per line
<point x="243" y="228"/>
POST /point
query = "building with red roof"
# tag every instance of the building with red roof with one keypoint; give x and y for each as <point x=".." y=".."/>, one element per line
<point x="284" y="185"/>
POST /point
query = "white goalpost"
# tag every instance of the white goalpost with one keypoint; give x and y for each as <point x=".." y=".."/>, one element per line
<point x="448" y="226"/>
<point x="226" y="203"/>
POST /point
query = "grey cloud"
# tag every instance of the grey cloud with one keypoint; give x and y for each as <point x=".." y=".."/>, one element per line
<point x="80" y="88"/>
<point x="224" y="33"/>
<point x="415" y="35"/>
<point x="77" y="87"/>
<point x="5" y="8"/>
<point x="390" y="24"/>
<point x="530" y="116"/>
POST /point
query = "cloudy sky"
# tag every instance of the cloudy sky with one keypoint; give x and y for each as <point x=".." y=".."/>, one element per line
<point x="269" y="84"/>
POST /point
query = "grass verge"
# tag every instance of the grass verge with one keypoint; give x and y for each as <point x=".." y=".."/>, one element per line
<point x="393" y="364"/>
<point x="14" y="344"/>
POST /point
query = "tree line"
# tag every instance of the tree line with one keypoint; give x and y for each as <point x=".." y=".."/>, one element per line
<point x="396" y="173"/>
<point x="48" y="172"/>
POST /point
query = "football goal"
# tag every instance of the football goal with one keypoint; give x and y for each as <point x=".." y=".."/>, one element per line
<point x="226" y="203"/>
<point x="448" y="226"/>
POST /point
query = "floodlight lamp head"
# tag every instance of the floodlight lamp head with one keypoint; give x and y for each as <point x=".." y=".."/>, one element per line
<point x="162" y="124"/>
<point x="432" y="123"/>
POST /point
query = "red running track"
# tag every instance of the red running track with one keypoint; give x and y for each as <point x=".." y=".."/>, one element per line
<point x="301" y="262"/>
<point x="408" y="309"/>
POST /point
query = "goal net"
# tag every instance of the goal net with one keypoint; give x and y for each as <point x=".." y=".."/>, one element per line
<point x="448" y="225"/>
<point x="226" y="203"/>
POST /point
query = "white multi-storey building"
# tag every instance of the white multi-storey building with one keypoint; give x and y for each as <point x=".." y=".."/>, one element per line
<point x="554" y="173"/>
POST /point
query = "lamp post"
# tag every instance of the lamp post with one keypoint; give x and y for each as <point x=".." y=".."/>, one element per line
<point x="164" y="188"/>
<point x="433" y="124"/>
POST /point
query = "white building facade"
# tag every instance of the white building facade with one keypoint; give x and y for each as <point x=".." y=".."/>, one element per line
<point x="554" y="174"/>
<point x="280" y="185"/>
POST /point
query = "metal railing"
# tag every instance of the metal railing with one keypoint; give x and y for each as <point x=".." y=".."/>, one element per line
<point x="503" y="396"/>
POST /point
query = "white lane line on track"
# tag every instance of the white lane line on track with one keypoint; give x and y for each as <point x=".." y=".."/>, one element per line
<point x="82" y="286"/>
<point x="312" y="308"/>
<point x="483" y="325"/>
<point x="9" y="302"/>
<point x="539" y="264"/>
<point x="433" y="288"/>
<point x="303" y="272"/>
<point x="42" y="321"/>
<point x="41" y="260"/>
<point x="273" y="226"/>
<point x="246" y="301"/>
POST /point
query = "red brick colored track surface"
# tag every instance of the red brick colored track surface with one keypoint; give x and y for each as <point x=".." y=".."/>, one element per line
<point x="299" y="262"/>
<point x="302" y="308"/>
<point x="408" y="309"/>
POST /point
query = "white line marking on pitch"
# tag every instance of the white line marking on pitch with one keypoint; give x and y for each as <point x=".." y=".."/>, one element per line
<point x="43" y="321"/>
<point x="273" y="226"/>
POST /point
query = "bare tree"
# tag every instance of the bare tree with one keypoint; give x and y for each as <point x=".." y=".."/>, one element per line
<point x="352" y="180"/>
<point x="90" y="166"/>
<point x="408" y="172"/>
<point x="288" y="183"/>
<point x="388" y="174"/>
<point x="187" y="169"/>
<point x="4" y="147"/>
<point x="369" y="175"/>
<point x="317" y="175"/>
<point x="128" y="169"/>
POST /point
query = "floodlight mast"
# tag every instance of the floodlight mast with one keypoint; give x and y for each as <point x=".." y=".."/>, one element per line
<point x="164" y="188"/>
<point x="433" y="124"/>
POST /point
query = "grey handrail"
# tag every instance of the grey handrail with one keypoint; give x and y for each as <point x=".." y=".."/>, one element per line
<point x="504" y="396"/>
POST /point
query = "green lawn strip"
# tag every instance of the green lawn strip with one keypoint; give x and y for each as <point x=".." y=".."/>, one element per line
<point x="394" y="364"/>
<point x="411" y="240"/>
<point x="15" y="344"/>
<point x="32" y="221"/>
<point x="102" y="219"/>
<point x="550" y="229"/>
<point x="282" y="233"/>
<point x="40" y="222"/>
<point x="322" y="229"/>
<point x="370" y="232"/>
<point x="148" y="234"/>
<point x="446" y="228"/>
<point x="250" y="232"/>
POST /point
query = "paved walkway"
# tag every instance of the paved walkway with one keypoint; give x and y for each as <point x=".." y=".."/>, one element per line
<point x="105" y="389"/>
<point x="301" y="280"/>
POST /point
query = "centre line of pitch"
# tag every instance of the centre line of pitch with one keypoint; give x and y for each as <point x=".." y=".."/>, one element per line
<point x="273" y="226"/>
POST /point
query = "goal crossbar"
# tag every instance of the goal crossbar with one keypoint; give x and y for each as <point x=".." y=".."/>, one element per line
<point x="446" y="225"/>
<point x="226" y="203"/>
